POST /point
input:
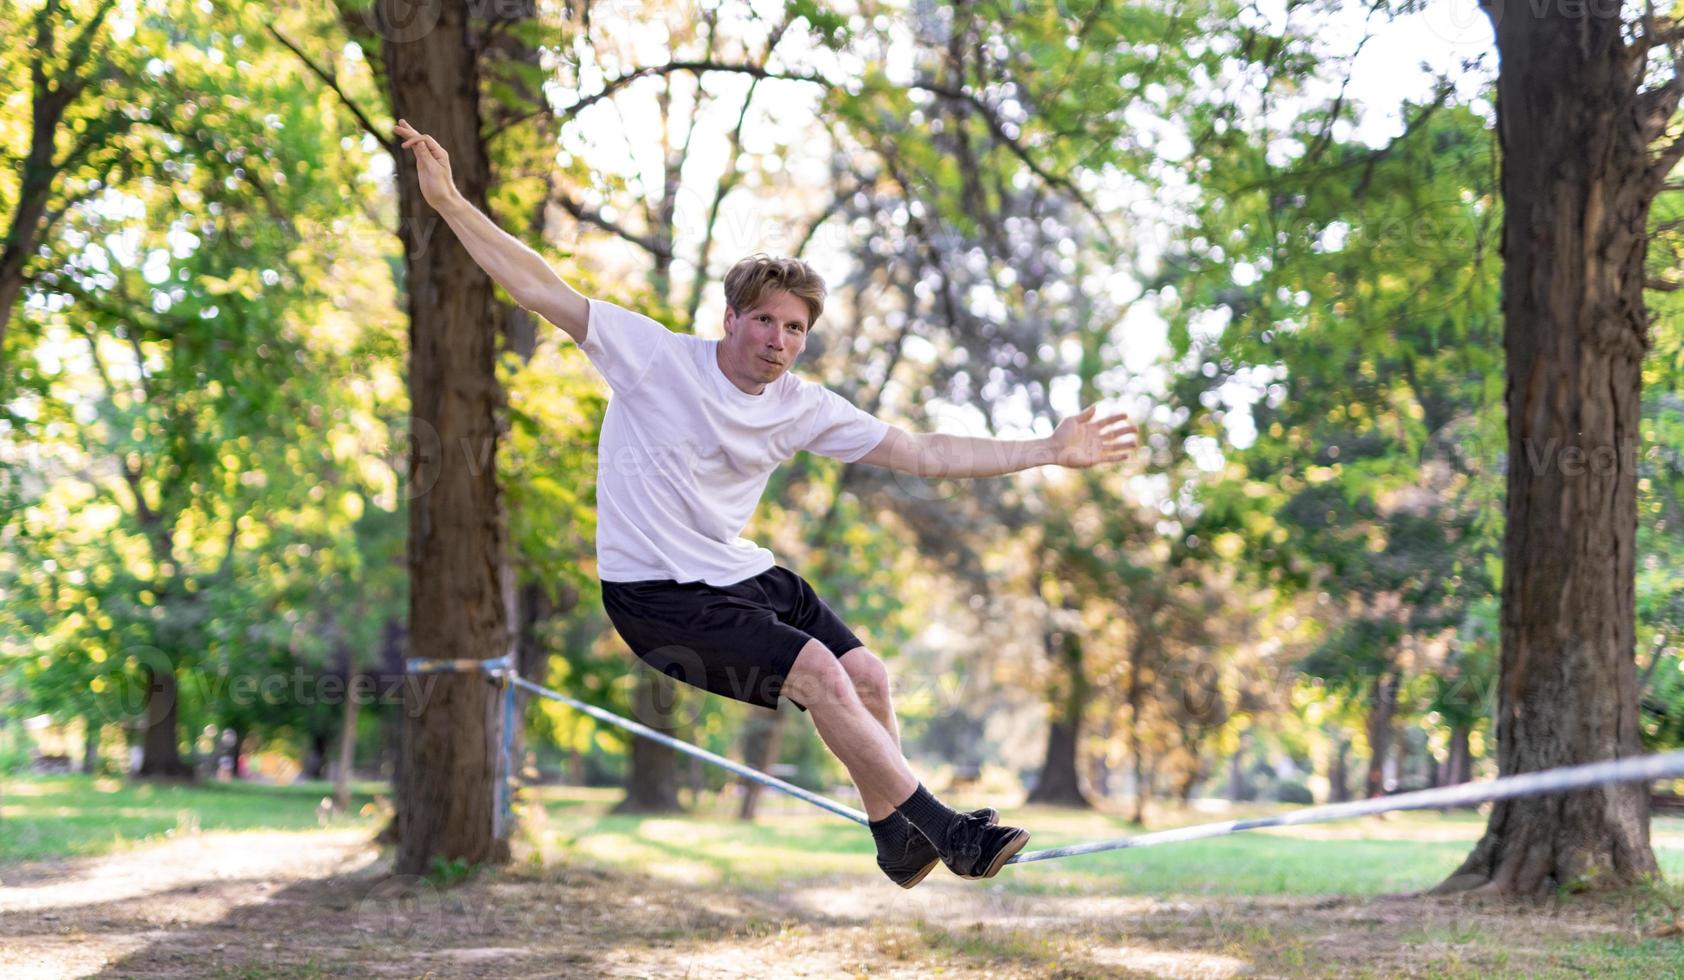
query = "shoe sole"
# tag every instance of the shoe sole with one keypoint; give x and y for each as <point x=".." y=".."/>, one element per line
<point x="1012" y="847"/>
<point x="993" y="817"/>
<point x="920" y="876"/>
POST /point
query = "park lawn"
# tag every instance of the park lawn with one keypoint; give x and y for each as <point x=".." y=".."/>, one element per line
<point x="1317" y="900"/>
<point x="1401" y="852"/>
<point x="73" y="816"/>
<point x="797" y="891"/>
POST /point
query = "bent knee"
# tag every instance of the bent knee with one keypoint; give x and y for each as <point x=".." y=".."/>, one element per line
<point x="818" y="680"/>
<point x="870" y="677"/>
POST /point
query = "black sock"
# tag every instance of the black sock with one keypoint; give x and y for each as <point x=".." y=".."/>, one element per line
<point x="891" y="834"/>
<point x="928" y="814"/>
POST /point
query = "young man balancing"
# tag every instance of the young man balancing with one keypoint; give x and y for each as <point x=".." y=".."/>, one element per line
<point x="693" y="430"/>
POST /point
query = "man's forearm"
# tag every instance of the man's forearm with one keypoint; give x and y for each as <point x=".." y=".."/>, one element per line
<point x="943" y="455"/>
<point x="514" y="266"/>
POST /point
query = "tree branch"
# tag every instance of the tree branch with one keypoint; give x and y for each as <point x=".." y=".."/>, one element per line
<point x="1662" y="164"/>
<point x="727" y="181"/>
<point x="1656" y="37"/>
<point x="332" y="81"/>
<point x="991" y="118"/>
<point x="592" y="216"/>
<point x="78" y="50"/>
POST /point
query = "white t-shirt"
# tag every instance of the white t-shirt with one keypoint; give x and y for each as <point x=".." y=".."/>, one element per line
<point x="685" y="454"/>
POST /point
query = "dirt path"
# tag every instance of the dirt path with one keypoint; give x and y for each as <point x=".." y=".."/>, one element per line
<point x="318" y="903"/>
<point x="74" y="917"/>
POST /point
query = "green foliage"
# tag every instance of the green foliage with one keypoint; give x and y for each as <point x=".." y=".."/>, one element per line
<point x="194" y="322"/>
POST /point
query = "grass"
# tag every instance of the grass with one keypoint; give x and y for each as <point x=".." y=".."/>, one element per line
<point x="1288" y="901"/>
<point x="1403" y="852"/>
<point x="72" y="816"/>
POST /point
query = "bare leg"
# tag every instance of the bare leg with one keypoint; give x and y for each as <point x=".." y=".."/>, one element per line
<point x="851" y="732"/>
<point x="871" y="683"/>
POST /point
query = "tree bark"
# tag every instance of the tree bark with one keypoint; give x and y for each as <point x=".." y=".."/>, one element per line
<point x="1577" y="183"/>
<point x="1338" y="776"/>
<point x="1239" y="788"/>
<point x="652" y="776"/>
<point x="315" y="761"/>
<point x="1458" y="766"/>
<point x="452" y="729"/>
<point x="347" y="734"/>
<point x="160" y="753"/>
<point x="1188" y="783"/>
<point x="1142" y="789"/>
<point x="1060" y="783"/>
<point x="1381" y="711"/>
<point x="90" y="744"/>
<point x="762" y="743"/>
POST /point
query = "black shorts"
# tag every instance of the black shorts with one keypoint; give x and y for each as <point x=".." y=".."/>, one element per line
<point x="737" y="640"/>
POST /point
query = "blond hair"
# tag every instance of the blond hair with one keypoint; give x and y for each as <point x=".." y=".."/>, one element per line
<point x="749" y="280"/>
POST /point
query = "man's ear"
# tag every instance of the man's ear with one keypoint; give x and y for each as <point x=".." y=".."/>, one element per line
<point x="730" y="318"/>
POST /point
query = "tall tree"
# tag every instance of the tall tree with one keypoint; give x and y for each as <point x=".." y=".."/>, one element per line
<point x="1580" y="110"/>
<point x="446" y="806"/>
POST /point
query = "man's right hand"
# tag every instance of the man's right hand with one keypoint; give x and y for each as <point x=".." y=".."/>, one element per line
<point x="432" y="165"/>
<point x="509" y="262"/>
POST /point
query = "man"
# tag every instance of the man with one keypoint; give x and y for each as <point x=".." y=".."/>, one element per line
<point x="693" y="430"/>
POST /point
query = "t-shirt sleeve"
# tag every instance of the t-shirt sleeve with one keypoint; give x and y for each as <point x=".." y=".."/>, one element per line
<point x="842" y="431"/>
<point x="622" y="345"/>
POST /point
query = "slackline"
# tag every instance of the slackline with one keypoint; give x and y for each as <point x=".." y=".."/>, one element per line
<point x="1642" y="768"/>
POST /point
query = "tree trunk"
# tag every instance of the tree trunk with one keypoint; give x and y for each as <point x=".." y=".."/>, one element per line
<point x="1380" y="714"/>
<point x="1458" y="761"/>
<point x="762" y="744"/>
<point x="1458" y="766"/>
<point x="1136" y="690"/>
<point x="347" y="740"/>
<point x="652" y="777"/>
<point x="1060" y="783"/>
<point x="1238" y="791"/>
<point x="531" y="658"/>
<point x="315" y="762"/>
<point x="1142" y="790"/>
<point x="90" y="744"/>
<point x="1577" y="183"/>
<point x="452" y="730"/>
<point x="1188" y="783"/>
<point x="1338" y="776"/>
<point x="160" y="753"/>
<point x="394" y="643"/>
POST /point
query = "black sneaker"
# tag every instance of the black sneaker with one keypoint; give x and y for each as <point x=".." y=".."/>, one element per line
<point x="977" y="848"/>
<point x="921" y="857"/>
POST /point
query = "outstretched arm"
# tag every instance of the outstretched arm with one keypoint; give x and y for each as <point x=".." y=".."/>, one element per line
<point x="505" y="258"/>
<point x="1079" y="442"/>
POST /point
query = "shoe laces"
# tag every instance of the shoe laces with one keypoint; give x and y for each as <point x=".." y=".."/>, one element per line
<point x="964" y="839"/>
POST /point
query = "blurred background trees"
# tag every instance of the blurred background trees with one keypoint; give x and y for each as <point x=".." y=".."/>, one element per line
<point x="1201" y="214"/>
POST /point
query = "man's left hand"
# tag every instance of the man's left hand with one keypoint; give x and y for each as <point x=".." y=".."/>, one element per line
<point x="1081" y="441"/>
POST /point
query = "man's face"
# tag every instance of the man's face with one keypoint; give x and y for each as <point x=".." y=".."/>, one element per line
<point x="767" y="338"/>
